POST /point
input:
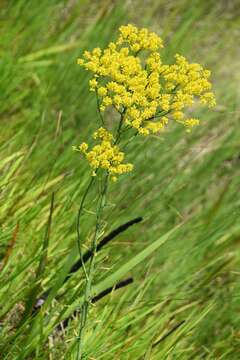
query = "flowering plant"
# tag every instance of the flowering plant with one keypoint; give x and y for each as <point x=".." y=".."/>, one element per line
<point x="130" y="77"/>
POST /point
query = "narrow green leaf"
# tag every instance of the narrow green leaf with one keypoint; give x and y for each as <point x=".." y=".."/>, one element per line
<point x="134" y="261"/>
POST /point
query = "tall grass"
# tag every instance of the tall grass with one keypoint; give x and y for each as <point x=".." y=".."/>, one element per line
<point x="184" y="301"/>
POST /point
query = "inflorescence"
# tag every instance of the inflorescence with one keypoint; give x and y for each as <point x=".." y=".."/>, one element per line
<point x="129" y="75"/>
<point x="105" y="155"/>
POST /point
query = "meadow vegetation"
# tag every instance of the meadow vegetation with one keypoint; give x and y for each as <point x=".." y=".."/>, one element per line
<point x="181" y="262"/>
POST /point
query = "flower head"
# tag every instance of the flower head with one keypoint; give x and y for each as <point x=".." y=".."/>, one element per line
<point x="144" y="90"/>
<point x="105" y="155"/>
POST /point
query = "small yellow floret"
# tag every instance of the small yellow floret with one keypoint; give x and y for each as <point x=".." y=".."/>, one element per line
<point x="102" y="91"/>
<point x="83" y="147"/>
<point x="93" y="84"/>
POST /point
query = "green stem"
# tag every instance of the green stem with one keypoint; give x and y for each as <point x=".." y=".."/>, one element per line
<point x="89" y="279"/>
<point x="99" y="111"/>
<point x="118" y="134"/>
<point x="90" y="273"/>
<point x="78" y="224"/>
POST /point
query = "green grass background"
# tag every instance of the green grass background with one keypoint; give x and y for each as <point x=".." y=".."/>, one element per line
<point x="185" y="299"/>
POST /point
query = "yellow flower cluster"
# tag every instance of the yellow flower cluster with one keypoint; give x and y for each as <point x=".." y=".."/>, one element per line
<point x="105" y="155"/>
<point x="184" y="82"/>
<point x="146" y="92"/>
<point x="139" y="39"/>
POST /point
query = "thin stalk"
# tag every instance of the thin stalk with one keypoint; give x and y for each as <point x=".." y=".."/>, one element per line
<point x="99" y="111"/>
<point x="89" y="275"/>
<point x="119" y="129"/>
<point x="98" y="297"/>
<point x="78" y="224"/>
<point x="87" y="293"/>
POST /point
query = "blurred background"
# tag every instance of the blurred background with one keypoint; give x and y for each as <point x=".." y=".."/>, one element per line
<point x="184" y="302"/>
